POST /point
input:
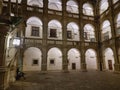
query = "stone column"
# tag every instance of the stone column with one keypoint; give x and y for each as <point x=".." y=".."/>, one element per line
<point x="65" y="60"/>
<point x="114" y="41"/>
<point x="82" y="47"/>
<point x="64" y="37"/>
<point x="100" y="57"/>
<point x="45" y="32"/>
<point x="21" y="30"/>
<point x="3" y="69"/>
<point x="1" y="6"/>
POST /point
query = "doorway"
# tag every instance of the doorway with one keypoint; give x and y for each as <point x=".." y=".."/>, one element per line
<point x="73" y="66"/>
<point x="110" y="64"/>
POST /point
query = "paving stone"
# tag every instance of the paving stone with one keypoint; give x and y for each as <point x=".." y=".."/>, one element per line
<point x="91" y="80"/>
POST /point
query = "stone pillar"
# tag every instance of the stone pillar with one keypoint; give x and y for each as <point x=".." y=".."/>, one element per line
<point x="1" y="5"/>
<point x="65" y="60"/>
<point x="64" y="37"/>
<point x="3" y="69"/>
<point x="99" y="51"/>
<point x="24" y="7"/>
<point x="82" y="47"/>
<point x="21" y="30"/>
<point x="114" y="41"/>
<point x="83" y="61"/>
<point x="44" y="60"/>
<point x="45" y="31"/>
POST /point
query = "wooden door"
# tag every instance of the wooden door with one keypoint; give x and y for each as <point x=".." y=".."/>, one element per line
<point x="73" y="66"/>
<point x="110" y="65"/>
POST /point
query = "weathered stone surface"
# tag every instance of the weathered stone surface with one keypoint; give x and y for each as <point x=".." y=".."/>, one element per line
<point x="91" y="80"/>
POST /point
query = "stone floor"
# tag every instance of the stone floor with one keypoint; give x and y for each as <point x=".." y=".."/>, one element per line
<point x="91" y="80"/>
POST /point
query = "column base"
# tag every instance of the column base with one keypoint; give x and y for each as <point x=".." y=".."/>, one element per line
<point x="43" y="72"/>
<point x="44" y="67"/>
<point x="117" y="68"/>
<point x="100" y="67"/>
<point x="65" y="68"/>
<point x="83" y="67"/>
<point x="3" y="83"/>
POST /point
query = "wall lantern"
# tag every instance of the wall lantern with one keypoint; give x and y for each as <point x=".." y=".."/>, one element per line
<point x="16" y="41"/>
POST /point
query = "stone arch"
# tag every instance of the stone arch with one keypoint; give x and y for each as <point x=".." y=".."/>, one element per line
<point x="106" y="30"/>
<point x="73" y="31"/>
<point x="54" y="59"/>
<point x="38" y="3"/>
<point x="89" y="33"/>
<point x="91" y="59"/>
<point x="54" y="30"/>
<point x="117" y="24"/>
<point x="88" y="9"/>
<point x="109" y="59"/>
<point x="74" y="60"/>
<point x="72" y="6"/>
<point x="32" y="59"/>
<point x="103" y="5"/>
<point x="34" y="28"/>
<point x="55" y="4"/>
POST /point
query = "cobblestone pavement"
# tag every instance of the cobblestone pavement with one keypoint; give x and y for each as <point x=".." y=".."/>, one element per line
<point x="91" y="80"/>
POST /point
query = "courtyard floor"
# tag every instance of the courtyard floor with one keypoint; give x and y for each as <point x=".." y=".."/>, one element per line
<point x="91" y="80"/>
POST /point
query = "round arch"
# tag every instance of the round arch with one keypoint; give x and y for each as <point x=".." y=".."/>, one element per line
<point x="91" y="59"/>
<point x="103" y="5"/>
<point x="74" y="60"/>
<point x="109" y="59"/>
<point x="89" y="32"/>
<point x="72" y="6"/>
<point x="54" y="30"/>
<point x="34" y="28"/>
<point x="32" y="59"/>
<point x="106" y="30"/>
<point x="38" y="3"/>
<point x="55" y="5"/>
<point x="118" y="20"/>
<point x="73" y="31"/>
<point x="54" y="59"/>
<point x="88" y="9"/>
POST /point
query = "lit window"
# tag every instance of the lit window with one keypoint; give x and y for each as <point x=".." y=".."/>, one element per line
<point x="16" y="42"/>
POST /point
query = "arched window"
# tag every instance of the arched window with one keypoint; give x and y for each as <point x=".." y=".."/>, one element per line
<point x="114" y="1"/>
<point x="106" y="30"/>
<point x="55" y="5"/>
<point x="87" y="9"/>
<point x="72" y="6"/>
<point x="118" y="25"/>
<point x="103" y="5"/>
<point x="34" y="28"/>
<point x="89" y="33"/>
<point x="54" y="30"/>
<point x="72" y="31"/>
<point x="37" y="3"/>
<point x="14" y="1"/>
